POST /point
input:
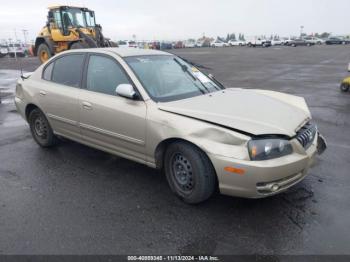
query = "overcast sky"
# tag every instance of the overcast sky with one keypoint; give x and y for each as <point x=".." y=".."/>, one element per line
<point x="182" y="19"/>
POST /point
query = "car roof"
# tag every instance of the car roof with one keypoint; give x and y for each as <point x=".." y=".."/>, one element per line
<point x="123" y="52"/>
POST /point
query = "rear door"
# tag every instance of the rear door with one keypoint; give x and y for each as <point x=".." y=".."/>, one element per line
<point x="58" y="94"/>
<point x="107" y="120"/>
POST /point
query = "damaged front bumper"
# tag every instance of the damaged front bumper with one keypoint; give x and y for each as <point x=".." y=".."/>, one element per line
<point x="265" y="178"/>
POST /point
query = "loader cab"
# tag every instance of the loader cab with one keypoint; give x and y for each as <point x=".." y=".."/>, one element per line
<point x="66" y="18"/>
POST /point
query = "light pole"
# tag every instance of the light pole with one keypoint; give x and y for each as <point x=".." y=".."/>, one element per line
<point x="25" y="35"/>
<point x="301" y="31"/>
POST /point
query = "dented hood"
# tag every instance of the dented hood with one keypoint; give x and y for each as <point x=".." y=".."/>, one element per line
<point x="256" y="112"/>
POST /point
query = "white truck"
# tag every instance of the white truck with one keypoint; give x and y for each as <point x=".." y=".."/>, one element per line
<point x="258" y="41"/>
<point x="3" y="50"/>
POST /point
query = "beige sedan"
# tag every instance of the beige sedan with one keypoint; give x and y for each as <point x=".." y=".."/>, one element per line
<point x="160" y="110"/>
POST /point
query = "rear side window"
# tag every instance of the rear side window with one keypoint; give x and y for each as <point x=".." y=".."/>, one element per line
<point x="68" y="70"/>
<point x="104" y="75"/>
<point x="48" y="72"/>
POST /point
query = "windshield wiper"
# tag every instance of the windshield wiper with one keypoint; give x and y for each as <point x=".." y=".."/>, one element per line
<point x="195" y="64"/>
<point x="204" y="67"/>
<point x="185" y="69"/>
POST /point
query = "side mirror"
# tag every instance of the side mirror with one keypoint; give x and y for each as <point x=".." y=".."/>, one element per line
<point x="211" y="76"/>
<point x="126" y="90"/>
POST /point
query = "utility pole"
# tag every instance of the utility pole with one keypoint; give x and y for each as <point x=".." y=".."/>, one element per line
<point x="301" y="31"/>
<point x="25" y="32"/>
<point x="14" y="45"/>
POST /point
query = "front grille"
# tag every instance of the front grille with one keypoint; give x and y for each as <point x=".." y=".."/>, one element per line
<point x="306" y="134"/>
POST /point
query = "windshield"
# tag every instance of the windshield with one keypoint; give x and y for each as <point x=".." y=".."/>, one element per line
<point x="167" y="78"/>
<point x="73" y="17"/>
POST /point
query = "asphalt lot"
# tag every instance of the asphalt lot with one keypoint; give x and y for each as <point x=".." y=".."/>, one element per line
<point x="76" y="200"/>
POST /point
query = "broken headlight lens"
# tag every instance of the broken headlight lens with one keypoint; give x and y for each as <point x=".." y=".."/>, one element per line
<point x="264" y="149"/>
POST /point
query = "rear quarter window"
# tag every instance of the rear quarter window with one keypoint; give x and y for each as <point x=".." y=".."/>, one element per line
<point x="48" y="72"/>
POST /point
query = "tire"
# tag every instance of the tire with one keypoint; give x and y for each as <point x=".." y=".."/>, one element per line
<point x="41" y="129"/>
<point x="79" y="45"/>
<point x="344" y="87"/>
<point x="198" y="179"/>
<point x="308" y="44"/>
<point x="44" y="53"/>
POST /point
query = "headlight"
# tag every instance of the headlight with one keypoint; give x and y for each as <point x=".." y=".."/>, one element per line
<point x="264" y="149"/>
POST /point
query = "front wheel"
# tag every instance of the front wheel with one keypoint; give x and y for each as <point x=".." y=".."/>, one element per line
<point x="44" y="53"/>
<point x="41" y="129"/>
<point x="344" y="87"/>
<point x="189" y="172"/>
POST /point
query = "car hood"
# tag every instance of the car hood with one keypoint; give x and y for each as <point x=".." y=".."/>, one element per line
<point x="256" y="112"/>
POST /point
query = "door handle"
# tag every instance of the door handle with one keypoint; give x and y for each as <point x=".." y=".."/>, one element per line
<point x="87" y="105"/>
<point x="42" y="93"/>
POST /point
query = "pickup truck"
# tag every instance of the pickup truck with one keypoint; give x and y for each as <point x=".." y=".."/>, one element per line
<point x="258" y="42"/>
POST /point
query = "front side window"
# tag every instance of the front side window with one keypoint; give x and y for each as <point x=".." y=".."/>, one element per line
<point x="90" y="19"/>
<point x="104" y="75"/>
<point x="68" y="70"/>
<point x="168" y="78"/>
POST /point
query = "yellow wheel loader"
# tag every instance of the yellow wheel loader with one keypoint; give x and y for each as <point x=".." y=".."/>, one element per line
<point x="69" y="27"/>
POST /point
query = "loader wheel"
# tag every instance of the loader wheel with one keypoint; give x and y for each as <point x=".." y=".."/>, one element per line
<point x="79" y="45"/>
<point x="344" y="87"/>
<point x="44" y="53"/>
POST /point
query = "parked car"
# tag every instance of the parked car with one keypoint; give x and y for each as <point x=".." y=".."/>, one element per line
<point x="345" y="84"/>
<point x="166" y="45"/>
<point x="17" y="49"/>
<point x="237" y="43"/>
<point x="179" y="44"/>
<point x="276" y="42"/>
<point x="154" y="45"/>
<point x="257" y="41"/>
<point x="126" y="44"/>
<point x="200" y="43"/>
<point x="336" y="41"/>
<point x="286" y="40"/>
<point x="190" y="44"/>
<point x="299" y="42"/>
<point x="218" y="43"/>
<point x="3" y="50"/>
<point x="314" y="40"/>
<point x="135" y="103"/>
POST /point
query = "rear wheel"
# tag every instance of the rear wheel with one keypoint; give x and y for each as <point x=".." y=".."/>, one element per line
<point x="344" y="87"/>
<point x="44" y="53"/>
<point x="189" y="172"/>
<point x="41" y="129"/>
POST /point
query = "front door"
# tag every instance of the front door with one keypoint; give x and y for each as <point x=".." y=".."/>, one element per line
<point x="107" y="120"/>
